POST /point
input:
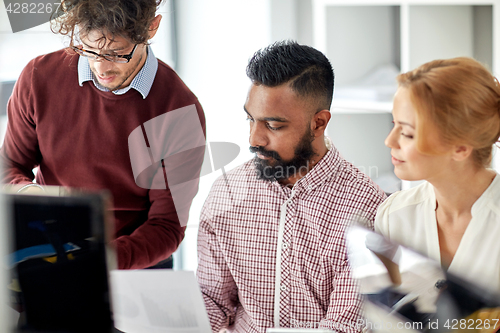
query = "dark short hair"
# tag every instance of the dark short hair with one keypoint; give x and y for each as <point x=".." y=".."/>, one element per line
<point x="307" y="70"/>
<point x="125" y="18"/>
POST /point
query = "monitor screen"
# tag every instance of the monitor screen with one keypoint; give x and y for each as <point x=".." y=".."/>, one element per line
<point x="58" y="263"/>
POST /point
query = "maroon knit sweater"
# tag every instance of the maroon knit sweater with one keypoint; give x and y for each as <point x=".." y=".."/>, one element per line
<point x="78" y="138"/>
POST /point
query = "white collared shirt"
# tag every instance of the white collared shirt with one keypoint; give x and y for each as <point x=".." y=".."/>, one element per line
<point x="409" y="218"/>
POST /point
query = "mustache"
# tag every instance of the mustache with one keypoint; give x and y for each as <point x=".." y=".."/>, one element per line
<point x="109" y="73"/>
<point x="264" y="152"/>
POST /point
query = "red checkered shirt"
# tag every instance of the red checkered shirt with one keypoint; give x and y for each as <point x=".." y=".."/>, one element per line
<point x="271" y="256"/>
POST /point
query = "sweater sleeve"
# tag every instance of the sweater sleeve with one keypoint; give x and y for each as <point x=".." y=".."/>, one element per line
<point x="161" y="234"/>
<point x="156" y="239"/>
<point x="19" y="153"/>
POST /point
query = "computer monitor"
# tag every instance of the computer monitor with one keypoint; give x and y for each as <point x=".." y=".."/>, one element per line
<point x="4" y="309"/>
<point x="58" y="262"/>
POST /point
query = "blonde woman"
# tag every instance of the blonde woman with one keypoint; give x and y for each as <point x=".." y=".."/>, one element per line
<point x="446" y="121"/>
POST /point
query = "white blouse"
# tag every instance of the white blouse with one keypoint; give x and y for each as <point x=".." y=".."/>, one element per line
<point x="409" y="218"/>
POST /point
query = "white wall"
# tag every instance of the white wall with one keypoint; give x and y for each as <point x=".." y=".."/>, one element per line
<point x="216" y="39"/>
<point x="440" y="32"/>
<point x="360" y="39"/>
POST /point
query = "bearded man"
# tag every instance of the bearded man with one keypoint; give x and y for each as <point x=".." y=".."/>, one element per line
<point x="271" y="244"/>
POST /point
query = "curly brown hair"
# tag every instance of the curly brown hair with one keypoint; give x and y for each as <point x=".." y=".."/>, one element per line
<point x="124" y="18"/>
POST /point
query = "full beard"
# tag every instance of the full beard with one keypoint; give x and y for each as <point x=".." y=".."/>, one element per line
<point x="276" y="169"/>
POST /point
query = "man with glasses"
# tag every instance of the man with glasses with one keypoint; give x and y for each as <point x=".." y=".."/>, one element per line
<point x="106" y="114"/>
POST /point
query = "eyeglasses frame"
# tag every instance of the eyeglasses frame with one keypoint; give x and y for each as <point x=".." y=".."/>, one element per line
<point x="127" y="57"/>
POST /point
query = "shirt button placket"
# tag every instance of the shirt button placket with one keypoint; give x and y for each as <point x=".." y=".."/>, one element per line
<point x="285" y="266"/>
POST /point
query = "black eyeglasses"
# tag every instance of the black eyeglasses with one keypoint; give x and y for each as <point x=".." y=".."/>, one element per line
<point x="122" y="59"/>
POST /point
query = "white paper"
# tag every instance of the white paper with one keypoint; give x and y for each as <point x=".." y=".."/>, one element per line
<point x="158" y="301"/>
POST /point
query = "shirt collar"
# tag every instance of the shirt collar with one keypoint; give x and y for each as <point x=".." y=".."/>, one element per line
<point x="327" y="168"/>
<point x="142" y="82"/>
